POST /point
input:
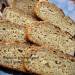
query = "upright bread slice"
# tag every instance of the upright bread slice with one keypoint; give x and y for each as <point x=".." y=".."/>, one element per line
<point x="11" y="55"/>
<point x="50" y="12"/>
<point x="48" y="61"/>
<point x="46" y="33"/>
<point x="11" y="32"/>
<point x="17" y="16"/>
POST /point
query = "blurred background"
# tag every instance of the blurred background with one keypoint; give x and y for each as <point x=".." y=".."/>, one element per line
<point x="68" y="7"/>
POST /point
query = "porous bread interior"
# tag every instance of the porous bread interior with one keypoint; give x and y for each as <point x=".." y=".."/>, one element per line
<point x="46" y="61"/>
<point x="45" y="33"/>
<point x="50" y="12"/>
<point x="11" y="32"/>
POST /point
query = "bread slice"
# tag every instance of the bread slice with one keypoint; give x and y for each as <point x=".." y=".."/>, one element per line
<point x="11" y="55"/>
<point x="46" y="33"/>
<point x="11" y="32"/>
<point x="50" y="12"/>
<point x="42" y="60"/>
<point x="48" y="61"/>
<point x="17" y="16"/>
<point x="25" y="5"/>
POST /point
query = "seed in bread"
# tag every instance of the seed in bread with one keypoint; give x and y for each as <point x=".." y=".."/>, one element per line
<point x="46" y="33"/>
<point x="50" y="12"/>
<point x="48" y="61"/>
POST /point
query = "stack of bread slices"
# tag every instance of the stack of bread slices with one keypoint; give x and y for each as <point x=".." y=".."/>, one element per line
<point x="36" y="36"/>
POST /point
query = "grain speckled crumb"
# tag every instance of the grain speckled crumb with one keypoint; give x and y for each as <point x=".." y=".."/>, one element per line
<point x="48" y="61"/>
<point x="17" y="16"/>
<point x="50" y="12"/>
<point x="12" y="55"/>
<point x="11" y="32"/>
<point x="46" y="33"/>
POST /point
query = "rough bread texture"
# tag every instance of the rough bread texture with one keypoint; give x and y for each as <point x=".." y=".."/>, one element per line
<point x="47" y="61"/>
<point x="25" y="5"/>
<point x="50" y="12"/>
<point x="11" y="32"/>
<point x="11" y="55"/>
<point x="17" y="16"/>
<point x="46" y="33"/>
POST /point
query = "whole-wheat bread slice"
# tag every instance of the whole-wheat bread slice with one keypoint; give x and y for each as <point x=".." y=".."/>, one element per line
<point x="46" y="33"/>
<point x="12" y="55"/>
<point x="50" y="12"/>
<point x="17" y="16"/>
<point x="48" y="61"/>
<point x="11" y="32"/>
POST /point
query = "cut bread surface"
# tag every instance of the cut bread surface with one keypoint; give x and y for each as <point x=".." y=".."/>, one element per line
<point x="47" y="61"/>
<point x="11" y="32"/>
<point x="17" y="16"/>
<point x="50" y="12"/>
<point x="11" y="55"/>
<point x="46" y="33"/>
<point x="44" y="60"/>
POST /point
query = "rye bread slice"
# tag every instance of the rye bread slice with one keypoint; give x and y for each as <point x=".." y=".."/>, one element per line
<point x="49" y="61"/>
<point x="46" y="33"/>
<point x="50" y="12"/>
